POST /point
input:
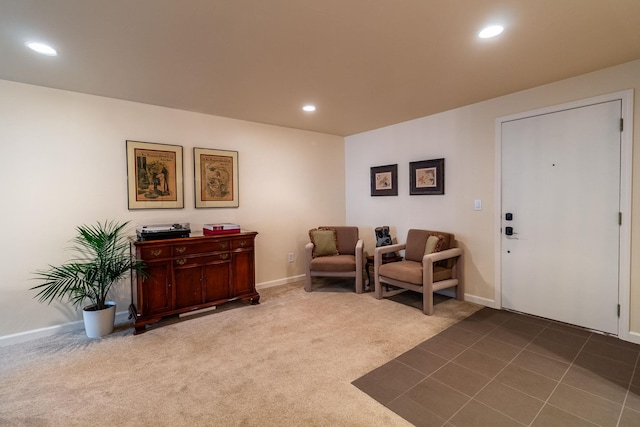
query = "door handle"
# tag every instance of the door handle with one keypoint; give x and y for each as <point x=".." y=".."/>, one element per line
<point x="508" y="231"/>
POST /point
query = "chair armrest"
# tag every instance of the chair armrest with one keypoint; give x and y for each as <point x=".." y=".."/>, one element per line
<point x="442" y="255"/>
<point x="377" y="253"/>
<point x="427" y="273"/>
<point x="359" y="265"/>
<point x="308" y="251"/>
<point x="359" y="251"/>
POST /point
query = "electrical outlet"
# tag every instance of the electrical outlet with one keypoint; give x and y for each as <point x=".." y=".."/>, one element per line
<point x="292" y="257"/>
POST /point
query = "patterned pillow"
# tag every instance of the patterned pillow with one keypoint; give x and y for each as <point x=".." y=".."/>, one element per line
<point x="324" y="242"/>
<point x="434" y="244"/>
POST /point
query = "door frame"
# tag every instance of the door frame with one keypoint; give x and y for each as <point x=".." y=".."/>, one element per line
<point x="626" y="164"/>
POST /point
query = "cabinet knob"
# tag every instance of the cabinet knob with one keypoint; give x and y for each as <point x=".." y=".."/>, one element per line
<point x="224" y="244"/>
<point x="181" y="261"/>
<point x="224" y="256"/>
<point x="243" y="243"/>
<point x="181" y="249"/>
<point x="156" y="252"/>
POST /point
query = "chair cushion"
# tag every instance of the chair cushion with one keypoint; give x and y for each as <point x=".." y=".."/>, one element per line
<point x="411" y="272"/>
<point x="324" y="242"/>
<point x="333" y="263"/>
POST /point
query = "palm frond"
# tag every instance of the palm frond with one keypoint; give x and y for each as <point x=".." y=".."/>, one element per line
<point x="101" y="258"/>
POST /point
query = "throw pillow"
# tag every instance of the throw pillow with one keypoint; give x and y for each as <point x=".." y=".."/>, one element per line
<point x="324" y="242"/>
<point x="434" y="244"/>
<point x="336" y="234"/>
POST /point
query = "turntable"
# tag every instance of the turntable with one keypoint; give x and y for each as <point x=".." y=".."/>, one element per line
<point x="163" y="231"/>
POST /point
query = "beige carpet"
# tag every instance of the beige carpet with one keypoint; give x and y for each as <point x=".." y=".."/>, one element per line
<point x="288" y="361"/>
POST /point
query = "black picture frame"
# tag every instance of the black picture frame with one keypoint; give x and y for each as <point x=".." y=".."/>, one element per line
<point x="384" y="180"/>
<point x="426" y="177"/>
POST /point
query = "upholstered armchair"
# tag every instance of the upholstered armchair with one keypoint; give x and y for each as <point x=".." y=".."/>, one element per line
<point x="334" y="252"/>
<point x="431" y="263"/>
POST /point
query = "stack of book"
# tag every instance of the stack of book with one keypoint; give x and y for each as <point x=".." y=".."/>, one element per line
<point x="223" y="228"/>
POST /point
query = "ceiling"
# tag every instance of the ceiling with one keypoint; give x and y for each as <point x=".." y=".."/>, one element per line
<point x="365" y="64"/>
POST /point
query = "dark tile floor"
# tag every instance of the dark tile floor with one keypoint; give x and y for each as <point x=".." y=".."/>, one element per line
<point x="497" y="368"/>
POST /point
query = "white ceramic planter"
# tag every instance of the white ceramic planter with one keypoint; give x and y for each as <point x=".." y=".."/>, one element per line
<point x="99" y="323"/>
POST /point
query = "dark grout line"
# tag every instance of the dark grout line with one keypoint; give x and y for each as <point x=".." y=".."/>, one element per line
<point x="546" y="402"/>
<point x="494" y="378"/>
<point x="527" y="346"/>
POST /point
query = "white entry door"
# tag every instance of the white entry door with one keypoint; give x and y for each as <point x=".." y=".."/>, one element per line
<point x="560" y="215"/>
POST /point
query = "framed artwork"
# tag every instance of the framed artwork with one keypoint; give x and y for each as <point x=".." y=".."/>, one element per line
<point x="426" y="177"/>
<point x="384" y="180"/>
<point x="216" y="178"/>
<point x="154" y="176"/>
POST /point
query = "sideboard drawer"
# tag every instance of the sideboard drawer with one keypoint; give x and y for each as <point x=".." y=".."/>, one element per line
<point x="197" y="248"/>
<point x="241" y="243"/>
<point x="201" y="260"/>
<point x="155" y="252"/>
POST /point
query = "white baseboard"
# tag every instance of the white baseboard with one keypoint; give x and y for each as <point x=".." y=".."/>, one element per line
<point x="121" y="317"/>
<point x="5" y="340"/>
<point x="450" y="292"/>
<point x="482" y="301"/>
<point x="633" y="337"/>
<point x="279" y="282"/>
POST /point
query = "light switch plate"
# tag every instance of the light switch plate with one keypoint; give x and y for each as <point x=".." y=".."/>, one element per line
<point x="477" y="205"/>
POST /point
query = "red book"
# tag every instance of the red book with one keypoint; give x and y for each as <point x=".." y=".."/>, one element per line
<point x="208" y="232"/>
<point x="222" y="226"/>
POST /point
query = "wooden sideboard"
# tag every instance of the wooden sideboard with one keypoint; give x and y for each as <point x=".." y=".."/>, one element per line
<point x="190" y="274"/>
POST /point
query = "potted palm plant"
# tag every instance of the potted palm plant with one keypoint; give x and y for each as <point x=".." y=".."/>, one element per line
<point x="101" y="259"/>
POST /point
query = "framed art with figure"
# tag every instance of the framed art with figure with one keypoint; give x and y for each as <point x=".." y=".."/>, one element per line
<point x="154" y="176"/>
<point x="216" y="178"/>
<point x="426" y="177"/>
<point x="384" y="180"/>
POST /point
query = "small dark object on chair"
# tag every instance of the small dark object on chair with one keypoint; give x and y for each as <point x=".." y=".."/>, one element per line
<point x="383" y="238"/>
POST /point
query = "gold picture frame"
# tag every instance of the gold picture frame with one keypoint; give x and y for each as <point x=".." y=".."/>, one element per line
<point x="216" y="178"/>
<point x="154" y="176"/>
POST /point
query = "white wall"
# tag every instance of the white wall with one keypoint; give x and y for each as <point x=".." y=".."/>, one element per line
<point x="63" y="163"/>
<point x="465" y="137"/>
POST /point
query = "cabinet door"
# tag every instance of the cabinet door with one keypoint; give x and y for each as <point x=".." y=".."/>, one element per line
<point x="243" y="273"/>
<point x="155" y="289"/>
<point x="215" y="279"/>
<point x="188" y="286"/>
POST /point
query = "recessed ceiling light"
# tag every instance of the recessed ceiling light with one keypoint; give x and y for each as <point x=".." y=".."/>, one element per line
<point x="309" y="108"/>
<point x="491" y="31"/>
<point x="42" y="48"/>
